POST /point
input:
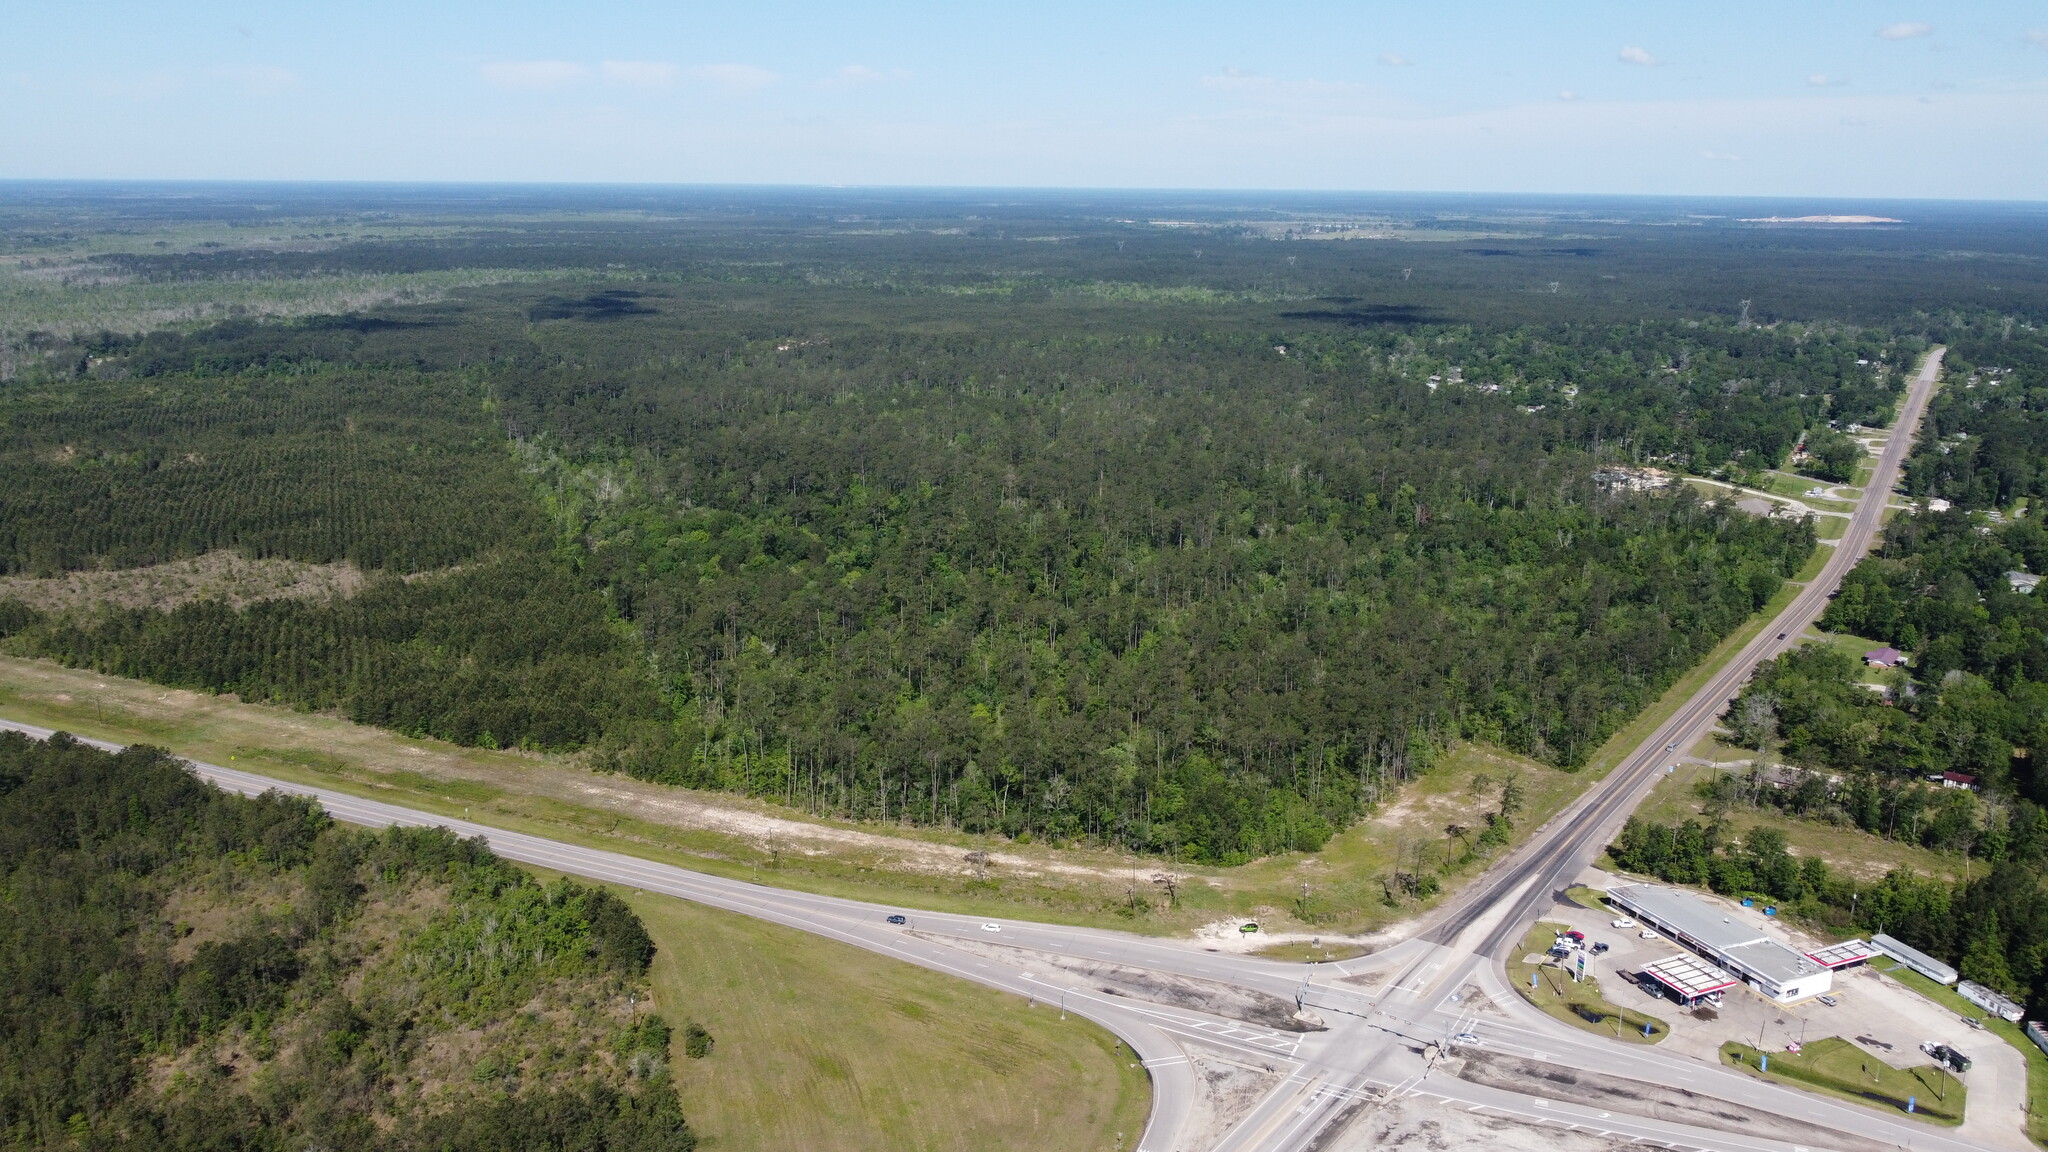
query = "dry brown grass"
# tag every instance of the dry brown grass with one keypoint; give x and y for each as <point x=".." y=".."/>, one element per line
<point x="221" y="575"/>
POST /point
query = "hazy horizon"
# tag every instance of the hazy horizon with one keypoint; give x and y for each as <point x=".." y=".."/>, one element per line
<point x="1831" y="100"/>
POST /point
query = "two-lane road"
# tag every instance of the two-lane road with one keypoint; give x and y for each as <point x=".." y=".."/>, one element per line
<point x="1379" y="1041"/>
<point x="1577" y="836"/>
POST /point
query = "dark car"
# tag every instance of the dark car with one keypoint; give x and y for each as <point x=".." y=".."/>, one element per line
<point x="1782" y="635"/>
<point x="1600" y="947"/>
<point x="899" y="920"/>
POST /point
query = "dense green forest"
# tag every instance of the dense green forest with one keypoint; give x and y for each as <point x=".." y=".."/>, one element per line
<point x="184" y="968"/>
<point x="1986" y="441"/>
<point x="1193" y="591"/>
<point x="1978" y="683"/>
<point x="1197" y="542"/>
<point x="391" y="470"/>
<point x="1974" y="700"/>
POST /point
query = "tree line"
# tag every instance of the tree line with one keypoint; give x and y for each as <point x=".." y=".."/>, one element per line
<point x="312" y="996"/>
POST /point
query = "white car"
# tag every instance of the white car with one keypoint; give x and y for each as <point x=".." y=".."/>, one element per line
<point x="991" y="927"/>
<point x="1624" y="922"/>
<point x="1465" y="1038"/>
<point x="1649" y="935"/>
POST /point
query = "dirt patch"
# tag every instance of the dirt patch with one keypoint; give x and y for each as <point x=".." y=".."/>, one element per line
<point x="1411" y="1123"/>
<point x="1228" y="936"/>
<point x="1641" y="1098"/>
<point x="223" y="575"/>
<point x="1211" y="996"/>
<point x="1226" y="1090"/>
<point x="1472" y="1000"/>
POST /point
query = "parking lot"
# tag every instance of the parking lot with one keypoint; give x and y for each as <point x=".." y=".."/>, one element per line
<point x="1881" y="1016"/>
<point x="1877" y="1014"/>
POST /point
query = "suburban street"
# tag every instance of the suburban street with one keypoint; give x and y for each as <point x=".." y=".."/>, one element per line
<point x="1380" y="1025"/>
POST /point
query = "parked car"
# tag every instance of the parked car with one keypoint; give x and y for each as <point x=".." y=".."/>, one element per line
<point x="1649" y="935"/>
<point x="1624" y="922"/>
<point x="1955" y="1060"/>
<point x="1830" y="1001"/>
<point x="1575" y="936"/>
<point x="1599" y="947"/>
<point x="899" y="919"/>
<point x="1248" y="927"/>
<point x="1973" y="1022"/>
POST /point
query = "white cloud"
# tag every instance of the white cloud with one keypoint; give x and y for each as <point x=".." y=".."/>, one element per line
<point x="1823" y="80"/>
<point x="1634" y="55"/>
<point x="734" y="77"/>
<point x="1710" y="154"/>
<point x="640" y="73"/>
<point x="2038" y="37"/>
<point x="1904" y="31"/>
<point x="532" y="75"/>
<point x="1567" y="94"/>
<point x="1395" y="60"/>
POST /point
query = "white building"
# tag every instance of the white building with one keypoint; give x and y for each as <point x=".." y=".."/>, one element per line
<point x="1772" y="967"/>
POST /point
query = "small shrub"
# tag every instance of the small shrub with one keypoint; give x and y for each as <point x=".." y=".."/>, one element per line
<point x="697" y="1043"/>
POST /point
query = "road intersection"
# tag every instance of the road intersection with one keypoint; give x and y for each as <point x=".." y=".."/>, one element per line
<point x="1377" y="1027"/>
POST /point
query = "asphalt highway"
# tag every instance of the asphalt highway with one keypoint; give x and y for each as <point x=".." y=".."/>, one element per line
<point x="1576" y="837"/>
<point x="1388" y="1016"/>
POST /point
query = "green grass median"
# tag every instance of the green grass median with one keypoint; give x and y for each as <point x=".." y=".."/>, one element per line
<point x="1576" y="1002"/>
<point x="1839" y="1068"/>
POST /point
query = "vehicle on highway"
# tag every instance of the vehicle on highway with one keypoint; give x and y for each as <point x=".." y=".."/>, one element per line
<point x="899" y="919"/>
<point x="1830" y="1001"/>
<point x="1624" y="922"/>
<point x="1648" y="934"/>
<point x="1782" y="635"/>
<point x="1465" y="1038"/>
<point x="1973" y="1022"/>
<point x="1671" y="747"/>
<point x="991" y="927"/>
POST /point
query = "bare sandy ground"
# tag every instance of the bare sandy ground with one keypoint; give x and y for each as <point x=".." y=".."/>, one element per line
<point x="223" y="575"/>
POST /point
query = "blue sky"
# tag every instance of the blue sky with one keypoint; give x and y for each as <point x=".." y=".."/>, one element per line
<point x="1787" y="98"/>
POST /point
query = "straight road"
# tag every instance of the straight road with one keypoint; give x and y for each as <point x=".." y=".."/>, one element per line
<point x="1577" y="836"/>
<point x="1378" y="1043"/>
<point x="1375" y="1045"/>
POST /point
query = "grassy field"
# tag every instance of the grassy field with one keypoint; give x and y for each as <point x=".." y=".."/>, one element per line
<point x="1794" y="487"/>
<point x="1838" y="1068"/>
<point x="1846" y="848"/>
<point x="1576" y="1002"/>
<point x="734" y="836"/>
<point x="1344" y="890"/>
<point x="2037" y="1061"/>
<point x="826" y="1047"/>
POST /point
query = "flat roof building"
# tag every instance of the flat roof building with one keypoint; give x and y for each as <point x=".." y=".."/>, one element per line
<point x="1690" y="978"/>
<point x="1915" y="959"/>
<point x="1991" y="1001"/>
<point x="1847" y="954"/>
<point x="1771" y="966"/>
